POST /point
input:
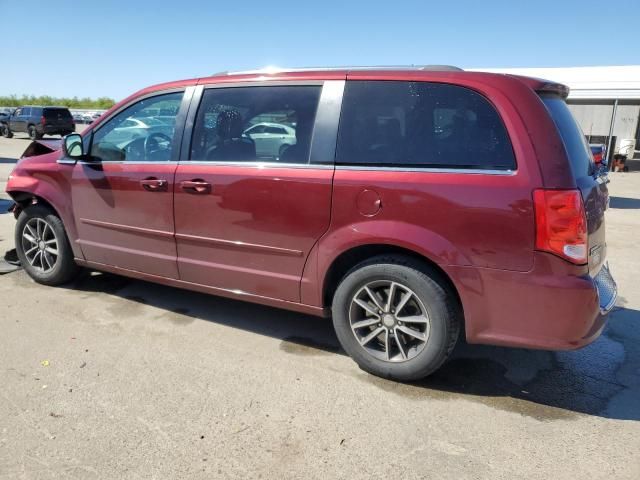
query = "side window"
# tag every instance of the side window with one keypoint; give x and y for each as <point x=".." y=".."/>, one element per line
<point x="18" y="112"/>
<point x="421" y="124"/>
<point x="26" y="111"/>
<point x="255" y="124"/>
<point x="139" y="133"/>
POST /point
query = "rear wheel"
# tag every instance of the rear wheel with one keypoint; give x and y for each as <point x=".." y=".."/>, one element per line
<point x="6" y="131"/>
<point x="33" y="133"/>
<point x="43" y="247"/>
<point x="396" y="318"/>
<point x="282" y="149"/>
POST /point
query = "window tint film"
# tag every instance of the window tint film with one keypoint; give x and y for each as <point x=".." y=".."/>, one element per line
<point x="56" y="113"/>
<point x="142" y="132"/>
<point x="420" y="124"/>
<point x="574" y="140"/>
<point x="263" y="124"/>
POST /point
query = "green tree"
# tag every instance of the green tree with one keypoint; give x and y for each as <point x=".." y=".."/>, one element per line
<point x="101" y="103"/>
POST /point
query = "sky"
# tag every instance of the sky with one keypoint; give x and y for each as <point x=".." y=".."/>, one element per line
<point x="114" y="48"/>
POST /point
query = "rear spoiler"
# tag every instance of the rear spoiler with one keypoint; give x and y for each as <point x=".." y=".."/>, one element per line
<point x="554" y="88"/>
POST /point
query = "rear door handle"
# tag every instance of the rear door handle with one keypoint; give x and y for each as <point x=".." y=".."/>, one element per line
<point x="153" y="184"/>
<point x="196" y="186"/>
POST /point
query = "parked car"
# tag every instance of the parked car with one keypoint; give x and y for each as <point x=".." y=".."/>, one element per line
<point x="38" y="121"/>
<point x="599" y="154"/>
<point x="271" y="139"/>
<point x="415" y="204"/>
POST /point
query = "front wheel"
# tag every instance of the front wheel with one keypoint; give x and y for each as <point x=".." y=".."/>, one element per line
<point x="396" y="317"/>
<point x="43" y="247"/>
<point x="6" y="131"/>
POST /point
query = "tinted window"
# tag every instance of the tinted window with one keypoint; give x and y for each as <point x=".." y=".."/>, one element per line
<point x="57" y="113"/>
<point x="227" y="130"/>
<point x="574" y="141"/>
<point x="26" y="112"/>
<point x="36" y="112"/>
<point x="420" y="124"/>
<point x="133" y="135"/>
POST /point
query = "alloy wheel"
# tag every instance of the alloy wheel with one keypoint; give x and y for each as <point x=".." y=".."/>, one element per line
<point x="40" y="245"/>
<point x="389" y="321"/>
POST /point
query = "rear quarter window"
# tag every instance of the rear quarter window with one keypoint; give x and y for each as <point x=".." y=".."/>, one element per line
<point x="421" y="124"/>
<point x="574" y="140"/>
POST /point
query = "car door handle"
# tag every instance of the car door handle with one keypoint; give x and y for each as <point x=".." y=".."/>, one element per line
<point x="196" y="186"/>
<point x="152" y="184"/>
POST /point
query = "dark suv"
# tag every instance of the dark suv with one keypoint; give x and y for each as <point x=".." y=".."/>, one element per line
<point x="37" y="121"/>
<point x="409" y="205"/>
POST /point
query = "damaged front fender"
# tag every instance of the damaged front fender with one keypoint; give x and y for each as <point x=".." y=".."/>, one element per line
<point x="15" y="209"/>
<point x="41" y="147"/>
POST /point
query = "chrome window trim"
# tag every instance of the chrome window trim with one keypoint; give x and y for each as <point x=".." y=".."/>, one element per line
<point x="322" y="166"/>
<point x="471" y="171"/>
<point x="132" y="162"/>
<point x="66" y="161"/>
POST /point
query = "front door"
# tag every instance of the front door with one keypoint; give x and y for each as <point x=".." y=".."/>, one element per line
<point x="247" y="218"/>
<point x="123" y="197"/>
<point x="18" y="121"/>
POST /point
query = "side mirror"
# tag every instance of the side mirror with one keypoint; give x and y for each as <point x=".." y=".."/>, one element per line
<point x="72" y="146"/>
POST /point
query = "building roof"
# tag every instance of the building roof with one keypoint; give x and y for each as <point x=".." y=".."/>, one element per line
<point x="621" y="82"/>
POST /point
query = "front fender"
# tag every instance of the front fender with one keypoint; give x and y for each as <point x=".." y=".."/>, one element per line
<point x="45" y="181"/>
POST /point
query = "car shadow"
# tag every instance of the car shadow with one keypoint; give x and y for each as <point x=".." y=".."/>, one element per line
<point x="599" y="380"/>
<point x="624" y="203"/>
<point x="8" y="160"/>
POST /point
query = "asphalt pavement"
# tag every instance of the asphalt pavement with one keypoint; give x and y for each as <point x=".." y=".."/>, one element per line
<point x="116" y="378"/>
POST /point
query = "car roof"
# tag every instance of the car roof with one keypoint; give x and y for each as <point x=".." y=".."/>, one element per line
<point x="433" y="73"/>
<point x="43" y="106"/>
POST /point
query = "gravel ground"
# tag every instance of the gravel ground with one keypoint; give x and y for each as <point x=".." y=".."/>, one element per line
<point x="117" y="378"/>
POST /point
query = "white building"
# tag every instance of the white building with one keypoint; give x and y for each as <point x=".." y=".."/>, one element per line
<point x="604" y="100"/>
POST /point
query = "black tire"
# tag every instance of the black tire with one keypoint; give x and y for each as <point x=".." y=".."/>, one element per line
<point x="283" y="148"/>
<point x="33" y="133"/>
<point x="433" y="294"/>
<point x="64" y="268"/>
<point x="6" y="131"/>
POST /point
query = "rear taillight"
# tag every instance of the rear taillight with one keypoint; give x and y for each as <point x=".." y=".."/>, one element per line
<point x="561" y="224"/>
<point x="42" y="120"/>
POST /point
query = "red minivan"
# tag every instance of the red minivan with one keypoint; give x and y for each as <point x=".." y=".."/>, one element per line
<point x="408" y="204"/>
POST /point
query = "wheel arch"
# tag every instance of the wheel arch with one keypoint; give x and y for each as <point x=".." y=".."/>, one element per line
<point x="24" y="198"/>
<point x="348" y="259"/>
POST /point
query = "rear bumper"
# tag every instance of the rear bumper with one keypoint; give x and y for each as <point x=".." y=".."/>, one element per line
<point x="555" y="306"/>
<point x="607" y="289"/>
<point x="52" y="129"/>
